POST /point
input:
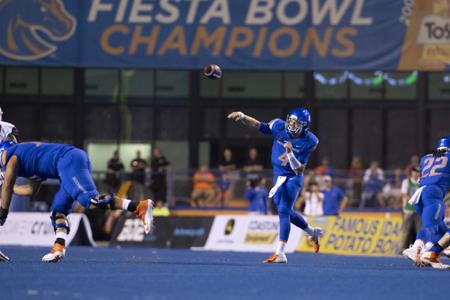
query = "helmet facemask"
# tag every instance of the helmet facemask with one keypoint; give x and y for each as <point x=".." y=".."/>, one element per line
<point x="294" y="125"/>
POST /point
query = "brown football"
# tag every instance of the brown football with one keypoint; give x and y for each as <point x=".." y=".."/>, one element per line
<point x="212" y="71"/>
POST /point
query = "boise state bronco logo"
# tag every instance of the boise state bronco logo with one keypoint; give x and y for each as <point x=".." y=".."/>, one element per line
<point x="29" y="26"/>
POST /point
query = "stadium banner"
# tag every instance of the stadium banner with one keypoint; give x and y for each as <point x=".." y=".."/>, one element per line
<point x="35" y="229"/>
<point x="167" y="232"/>
<point x="248" y="234"/>
<point x="236" y="34"/>
<point x="367" y="234"/>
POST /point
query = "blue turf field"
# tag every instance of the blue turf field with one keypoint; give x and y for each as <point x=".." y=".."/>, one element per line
<point x="131" y="273"/>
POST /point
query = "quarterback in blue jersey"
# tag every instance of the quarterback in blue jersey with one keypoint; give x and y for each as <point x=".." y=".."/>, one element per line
<point x="429" y="203"/>
<point x="292" y="146"/>
<point x="40" y="161"/>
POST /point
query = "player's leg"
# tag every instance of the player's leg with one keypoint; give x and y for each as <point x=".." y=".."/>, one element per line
<point x="75" y="172"/>
<point x="62" y="203"/>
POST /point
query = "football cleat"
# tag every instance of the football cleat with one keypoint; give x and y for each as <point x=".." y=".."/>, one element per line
<point x="314" y="239"/>
<point x="276" y="259"/>
<point x="446" y="252"/>
<point x="432" y="258"/>
<point x="56" y="254"/>
<point x="3" y="257"/>
<point x="144" y="212"/>
<point x="413" y="254"/>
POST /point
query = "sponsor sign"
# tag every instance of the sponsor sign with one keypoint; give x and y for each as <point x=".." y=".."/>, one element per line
<point x="248" y="234"/>
<point x="369" y="234"/>
<point x="236" y="34"/>
<point x="170" y="232"/>
<point x="35" y="229"/>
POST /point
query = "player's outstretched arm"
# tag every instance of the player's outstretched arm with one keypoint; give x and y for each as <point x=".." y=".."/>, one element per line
<point x="246" y="120"/>
<point x="12" y="169"/>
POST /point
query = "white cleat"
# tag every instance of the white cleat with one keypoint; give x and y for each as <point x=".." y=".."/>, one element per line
<point x="315" y="238"/>
<point x="144" y="211"/>
<point x="413" y="254"/>
<point x="3" y="257"/>
<point x="446" y="252"/>
<point x="432" y="258"/>
<point x="276" y="259"/>
<point x="56" y="254"/>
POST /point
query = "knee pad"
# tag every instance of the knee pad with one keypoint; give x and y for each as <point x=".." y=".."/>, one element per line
<point x="60" y="221"/>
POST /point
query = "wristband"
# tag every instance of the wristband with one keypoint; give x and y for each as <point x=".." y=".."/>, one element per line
<point x="241" y="115"/>
<point x="293" y="162"/>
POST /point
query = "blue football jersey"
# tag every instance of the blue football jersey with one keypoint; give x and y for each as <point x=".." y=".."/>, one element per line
<point x="435" y="170"/>
<point x="302" y="146"/>
<point x="38" y="160"/>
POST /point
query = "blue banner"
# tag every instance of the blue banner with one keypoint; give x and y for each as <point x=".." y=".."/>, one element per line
<point x="235" y="34"/>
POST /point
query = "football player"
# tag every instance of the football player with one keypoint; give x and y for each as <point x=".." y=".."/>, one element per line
<point x="429" y="203"/>
<point x="40" y="161"/>
<point x="292" y="146"/>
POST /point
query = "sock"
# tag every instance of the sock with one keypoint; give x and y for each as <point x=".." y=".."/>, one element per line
<point x="418" y="244"/>
<point x="309" y="231"/>
<point x="132" y="206"/>
<point x="61" y="238"/>
<point x="428" y="246"/>
<point x="280" y="247"/>
<point x="125" y="204"/>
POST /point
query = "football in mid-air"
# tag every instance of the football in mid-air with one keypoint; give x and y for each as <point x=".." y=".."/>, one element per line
<point x="212" y="71"/>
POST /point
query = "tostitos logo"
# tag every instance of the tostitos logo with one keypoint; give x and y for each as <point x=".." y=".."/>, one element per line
<point x="30" y="28"/>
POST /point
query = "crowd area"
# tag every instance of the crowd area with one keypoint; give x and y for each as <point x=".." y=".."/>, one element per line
<point x="326" y="191"/>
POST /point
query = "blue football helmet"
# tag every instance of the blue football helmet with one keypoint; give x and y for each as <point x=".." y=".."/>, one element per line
<point x="444" y="143"/>
<point x="4" y="146"/>
<point x="297" y="121"/>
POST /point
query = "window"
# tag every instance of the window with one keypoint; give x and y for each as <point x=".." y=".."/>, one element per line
<point x="22" y="81"/>
<point x="294" y="85"/>
<point x="367" y="134"/>
<point x="172" y="83"/>
<point x="1" y="80"/>
<point x="57" y="81"/>
<point x="172" y="123"/>
<point x="401" y="85"/>
<point x="57" y="124"/>
<point x="137" y="83"/>
<point x="330" y="85"/>
<point x="366" y="85"/>
<point x="252" y="85"/>
<point x="209" y="88"/>
<point x="101" y="82"/>
<point x="333" y="133"/>
<point x="439" y="86"/>
<point x="100" y="153"/>
<point x="401" y="131"/>
<point x="101" y="123"/>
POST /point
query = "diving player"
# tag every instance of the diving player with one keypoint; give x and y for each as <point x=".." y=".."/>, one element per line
<point x="429" y="203"/>
<point x="40" y="161"/>
<point x="292" y="146"/>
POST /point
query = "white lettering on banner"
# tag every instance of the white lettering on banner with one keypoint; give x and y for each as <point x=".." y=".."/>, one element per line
<point x="219" y="9"/>
<point x="248" y="234"/>
<point x="173" y="11"/>
<point x="132" y="231"/>
<point x="96" y="7"/>
<point x="35" y="229"/>
<point x="138" y="8"/>
<point x="259" y="12"/>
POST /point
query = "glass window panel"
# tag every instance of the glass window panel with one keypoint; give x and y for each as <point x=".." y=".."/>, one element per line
<point x="172" y="123"/>
<point x="401" y="137"/>
<point x="367" y="134"/>
<point x="439" y="86"/>
<point x="57" y="124"/>
<point x="330" y="85"/>
<point x="252" y="85"/>
<point x="294" y="85"/>
<point x="100" y="153"/>
<point x="366" y="86"/>
<point x="209" y="88"/>
<point x="438" y="126"/>
<point x="23" y="81"/>
<point x="172" y="83"/>
<point x="57" y="81"/>
<point x="25" y="118"/>
<point x="101" y="123"/>
<point x="1" y="80"/>
<point x="211" y="122"/>
<point x="333" y="136"/>
<point x="137" y="83"/>
<point x="137" y="123"/>
<point x="101" y="82"/>
<point x="401" y="86"/>
<point x="176" y="152"/>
